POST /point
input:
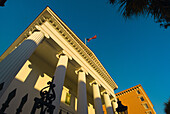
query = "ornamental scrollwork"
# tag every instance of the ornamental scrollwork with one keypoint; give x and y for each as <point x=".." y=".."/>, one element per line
<point x="45" y="102"/>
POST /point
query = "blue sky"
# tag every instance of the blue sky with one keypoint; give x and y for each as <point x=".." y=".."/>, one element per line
<point x="134" y="51"/>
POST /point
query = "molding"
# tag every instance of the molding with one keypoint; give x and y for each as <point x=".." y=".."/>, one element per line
<point x="66" y="53"/>
<point x="105" y="92"/>
<point x="66" y="89"/>
<point x="42" y="30"/>
<point x="81" y="69"/>
<point x="95" y="82"/>
<point x="63" y="52"/>
<point x="81" y="48"/>
<point x="135" y="88"/>
<point x="49" y="16"/>
<point x="113" y="100"/>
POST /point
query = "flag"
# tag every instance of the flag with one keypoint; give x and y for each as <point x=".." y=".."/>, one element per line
<point x="94" y="37"/>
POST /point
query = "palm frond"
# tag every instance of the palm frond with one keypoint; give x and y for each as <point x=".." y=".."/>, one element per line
<point x="159" y="9"/>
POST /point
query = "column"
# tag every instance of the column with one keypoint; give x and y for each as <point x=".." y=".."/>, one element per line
<point x="115" y="105"/>
<point x="108" y="103"/>
<point x="59" y="77"/>
<point x="82" y="95"/>
<point x="97" y="99"/>
<point x="12" y="64"/>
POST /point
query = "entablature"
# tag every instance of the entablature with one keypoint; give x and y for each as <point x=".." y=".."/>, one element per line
<point x="48" y="17"/>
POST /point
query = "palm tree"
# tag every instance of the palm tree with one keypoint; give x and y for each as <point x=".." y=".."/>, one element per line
<point x="167" y="107"/>
<point x="159" y="9"/>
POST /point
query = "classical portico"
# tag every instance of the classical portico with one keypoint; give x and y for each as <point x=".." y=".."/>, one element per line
<point x="47" y="49"/>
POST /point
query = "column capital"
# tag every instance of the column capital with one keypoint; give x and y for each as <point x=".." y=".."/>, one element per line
<point x="38" y="27"/>
<point x="13" y="63"/>
<point x="95" y="82"/>
<point x="105" y="92"/>
<point x="81" y="69"/>
<point x="108" y="103"/>
<point x="63" y="52"/>
<point x="81" y="93"/>
<point x="114" y="99"/>
<point x="59" y="74"/>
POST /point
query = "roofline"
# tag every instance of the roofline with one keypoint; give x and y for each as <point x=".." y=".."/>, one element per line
<point x="87" y="52"/>
<point x="126" y="90"/>
<point x="5" y="53"/>
<point x="133" y="88"/>
<point x="84" y="47"/>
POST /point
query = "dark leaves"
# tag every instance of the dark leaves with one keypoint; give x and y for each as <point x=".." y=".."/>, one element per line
<point x="2" y="2"/>
<point x="159" y="9"/>
<point x="167" y="107"/>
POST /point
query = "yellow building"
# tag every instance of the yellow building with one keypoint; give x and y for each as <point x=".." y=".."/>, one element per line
<point x="48" y="50"/>
<point x="136" y="100"/>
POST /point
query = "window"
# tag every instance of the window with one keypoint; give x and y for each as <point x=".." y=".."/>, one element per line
<point x="141" y="98"/>
<point x="68" y="98"/>
<point x="138" y="91"/>
<point x="145" y="106"/>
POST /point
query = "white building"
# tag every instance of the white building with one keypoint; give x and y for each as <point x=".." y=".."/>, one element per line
<point x="49" y="48"/>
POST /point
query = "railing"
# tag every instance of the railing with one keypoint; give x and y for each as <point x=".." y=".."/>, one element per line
<point x="44" y="104"/>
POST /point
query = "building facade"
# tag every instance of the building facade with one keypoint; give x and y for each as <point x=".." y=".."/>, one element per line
<point x="137" y="101"/>
<point x="49" y="69"/>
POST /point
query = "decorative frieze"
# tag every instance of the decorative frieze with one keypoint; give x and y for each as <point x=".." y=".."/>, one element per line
<point x="81" y="49"/>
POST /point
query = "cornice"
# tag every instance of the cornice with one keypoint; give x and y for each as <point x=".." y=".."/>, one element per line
<point x="81" y="48"/>
<point x="70" y="37"/>
<point x="128" y="90"/>
<point x="38" y="21"/>
<point x="135" y="88"/>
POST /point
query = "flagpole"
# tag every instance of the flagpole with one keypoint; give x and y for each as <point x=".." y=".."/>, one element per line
<point x="85" y="40"/>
